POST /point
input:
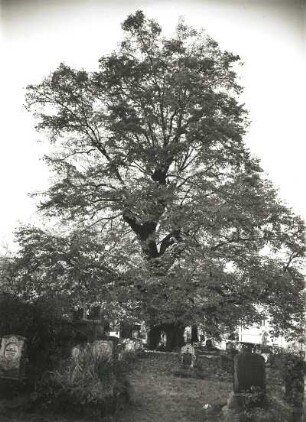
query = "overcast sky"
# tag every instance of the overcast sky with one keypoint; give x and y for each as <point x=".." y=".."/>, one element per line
<point x="269" y="36"/>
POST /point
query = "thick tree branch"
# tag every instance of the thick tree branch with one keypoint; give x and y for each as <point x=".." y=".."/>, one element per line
<point x="174" y="235"/>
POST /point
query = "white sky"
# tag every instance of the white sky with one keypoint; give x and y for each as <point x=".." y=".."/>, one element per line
<point x="269" y="36"/>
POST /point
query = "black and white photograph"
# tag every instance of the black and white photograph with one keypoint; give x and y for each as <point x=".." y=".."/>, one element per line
<point x="153" y="209"/>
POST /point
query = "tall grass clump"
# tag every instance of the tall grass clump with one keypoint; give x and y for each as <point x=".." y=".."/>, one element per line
<point x="87" y="384"/>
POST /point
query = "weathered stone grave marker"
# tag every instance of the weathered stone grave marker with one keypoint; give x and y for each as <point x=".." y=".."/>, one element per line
<point x="138" y="344"/>
<point x="249" y="394"/>
<point x="13" y="357"/>
<point x="249" y="372"/>
<point x="249" y="383"/>
<point x="133" y="345"/>
<point x="227" y="358"/>
<point x="129" y="346"/>
<point x="188" y="355"/>
<point x="103" y="348"/>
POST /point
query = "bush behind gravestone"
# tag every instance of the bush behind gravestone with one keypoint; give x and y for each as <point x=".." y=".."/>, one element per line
<point x="290" y="369"/>
<point x="88" y="385"/>
<point x="293" y="371"/>
<point x="39" y="322"/>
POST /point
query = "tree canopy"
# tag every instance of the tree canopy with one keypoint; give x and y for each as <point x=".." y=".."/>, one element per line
<point x="150" y="146"/>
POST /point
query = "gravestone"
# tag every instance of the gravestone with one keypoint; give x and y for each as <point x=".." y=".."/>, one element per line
<point x="138" y="344"/>
<point x="231" y="350"/>
<point x="133" y="345"/>
<point x="13" y="357"/>
<point x="188" y="355"/>
<point x="249" y="381"/>
<point x="76" y="351"/>
<point x="227" y="362"/>
<point x="249" y="395"/>
<point x="129" y="346"/>
<point x="103" y="348"/>
<point x="249" y="372"/>
<point x="229" y="346"/>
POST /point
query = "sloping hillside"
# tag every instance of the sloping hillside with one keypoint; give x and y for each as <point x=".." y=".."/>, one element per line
<point x="162" y="393"/>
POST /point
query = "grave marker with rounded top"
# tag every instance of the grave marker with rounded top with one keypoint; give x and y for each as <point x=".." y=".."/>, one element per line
<point x="103" y="348"/>
<point x="188" y="356"/>
<point x="249" y="372"/>
<point x="13" y="357"/>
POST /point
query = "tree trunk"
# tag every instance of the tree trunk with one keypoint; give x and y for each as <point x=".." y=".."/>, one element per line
<point x="126" y="330"/>
<point x="146" y="234"/>
<point x="194" y="334"/>
<point x="175" y="335"/>
<point x="154" y="335"/>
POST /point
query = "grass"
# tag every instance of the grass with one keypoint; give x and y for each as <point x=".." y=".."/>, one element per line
<point x="159" y="395"/>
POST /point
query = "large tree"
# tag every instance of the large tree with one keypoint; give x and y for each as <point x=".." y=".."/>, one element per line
<point x="152" y="144"/>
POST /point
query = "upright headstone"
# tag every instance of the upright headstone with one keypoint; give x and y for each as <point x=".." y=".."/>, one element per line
<point x="76" y="352"/>
<point x="13" y="357"/>
<point x="231" y="350"/>
<point x="138" y="344"/>
<point x="227" y="358"/>
<point x="103" y="348"/>
<point x="188" y="355"/>
<point x="209" y="346"/>
<point x="228" y="346"/>
<point x="249" y="386"/>
<point x="248" y="401"/>
<point x="129" y="346"/>
<point x="249" y="372"/>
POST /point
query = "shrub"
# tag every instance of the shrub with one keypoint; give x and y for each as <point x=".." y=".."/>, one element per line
<point x="290" y="369"/>
<point x="85" y="385"/>
<point x="274" y="410"/>
<point x="293" y="371"/>
<point x="16" y="316"/>
<point x="40" y="323"/>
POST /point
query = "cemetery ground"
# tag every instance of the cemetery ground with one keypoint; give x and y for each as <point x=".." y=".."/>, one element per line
<point x="162" y="391"/>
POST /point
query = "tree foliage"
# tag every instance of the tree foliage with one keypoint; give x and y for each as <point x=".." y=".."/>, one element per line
<point x="151" y="146"/>
<point x="77" y="266"/>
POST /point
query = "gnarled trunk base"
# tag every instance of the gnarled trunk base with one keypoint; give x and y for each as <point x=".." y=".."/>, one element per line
<point x="154" y="336"/>
<point x="194" y="334"/>
<point x="174" y="335"/>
